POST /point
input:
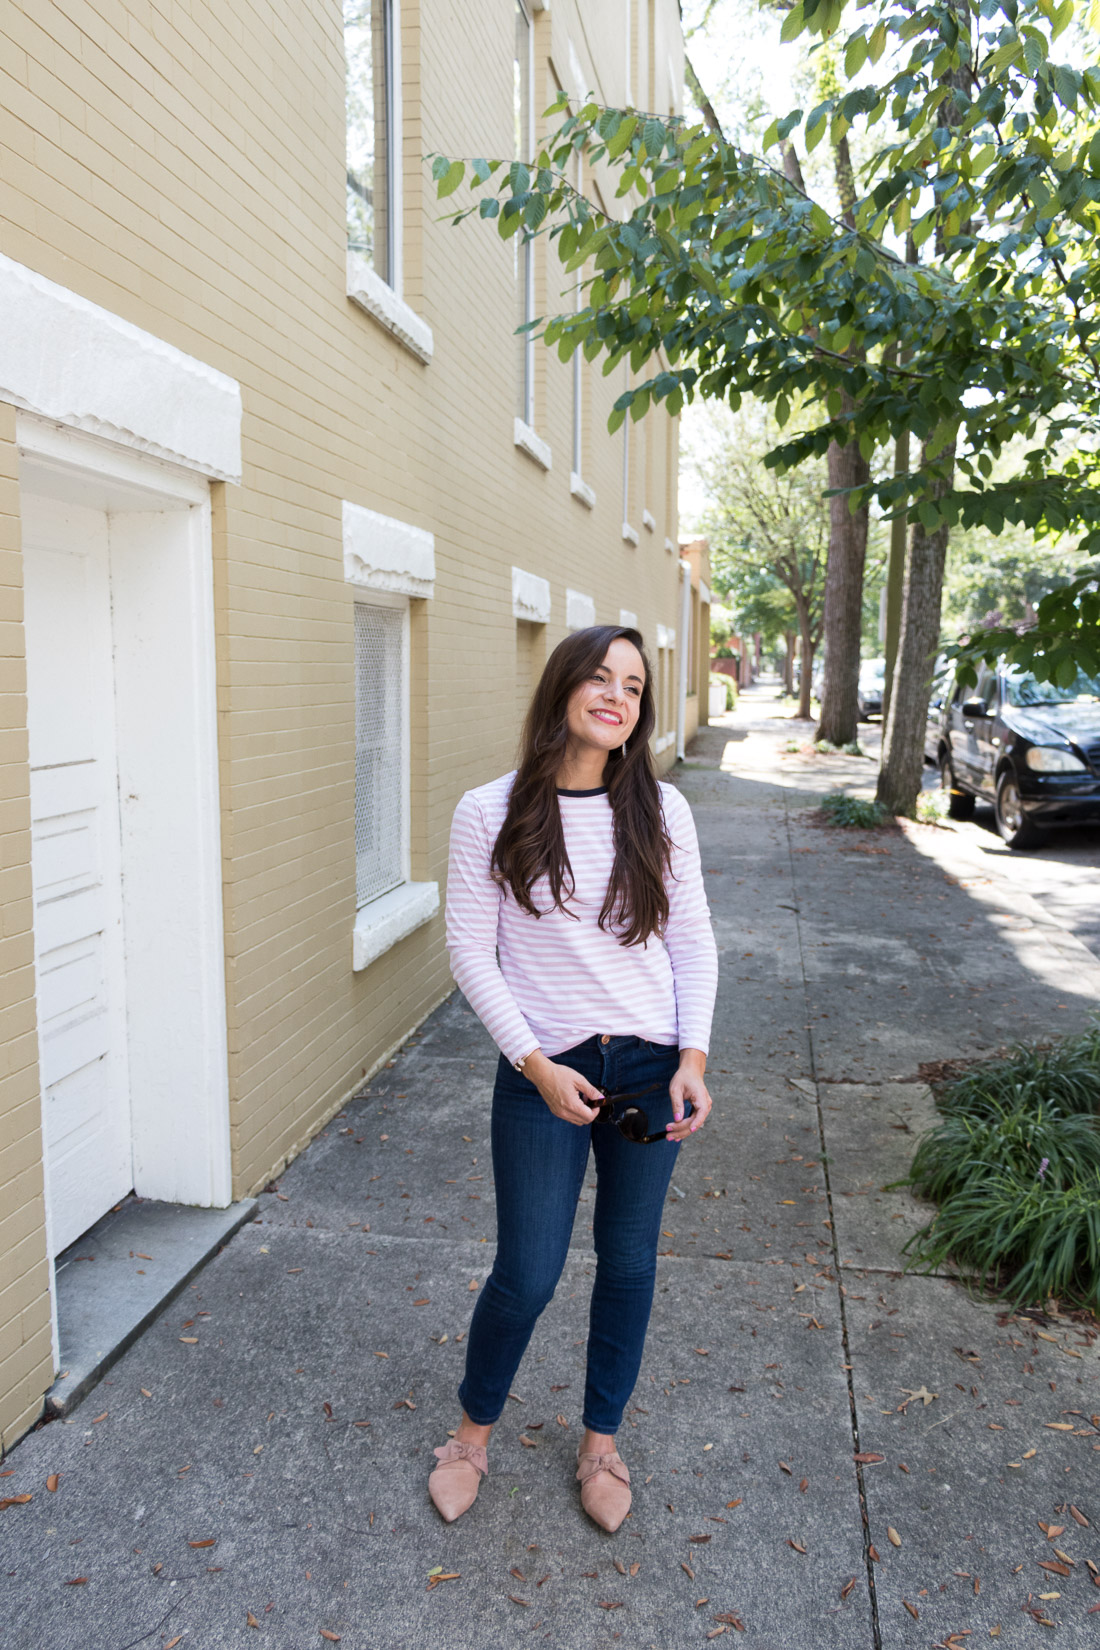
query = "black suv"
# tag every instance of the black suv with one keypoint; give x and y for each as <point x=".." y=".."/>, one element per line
<point x="1030" y="748"/>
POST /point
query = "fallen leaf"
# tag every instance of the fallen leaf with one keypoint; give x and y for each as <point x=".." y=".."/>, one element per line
<point x="703" y="1351"/>
<point x="1059" y="1426"/>
<point x="250" y="1620"/>
<point x="77" y="1581"/>
<point x="425" y="1302"/>
<point x="847" y="1587"/>
<point x="784" y="1467"/>
<point x="333" y="1638"/>
<point x="804" y="1485"/>
<point x="893" y="1536"/>
<point x="519" y="1575"/>
<point x="688" y="1571"/>
<point x="1076" y="1513"/>
<point x="736" y="1503"/>
<point x="171" y="1645"/>
<point x="699" y="1539"/>
<point x="635" y="1567"/>
<point x="52" y="1481"/>
<point x="145" y="1393"/>
<point x="188" y="1340"/>
<point x="609" y="1604"/>
<point x="1055" y="1569"/>
<point x="912" y="1609"/>
<point x="471" y="1286"/>
<point x="97" y="1418"/>
<point x="922" y="1392"/>
<point x="797" y="1545"/>
<point x="715" y="1631"/>
<point x="15" y="1501"/>
<point x="526" y="1602"/>
<point x="560" y="1419"/>
<point x="528" y="1443"/>
<point x="209" y="1542"/>
<point x="620" y="1566"/>
<point x="867" y="1457"/>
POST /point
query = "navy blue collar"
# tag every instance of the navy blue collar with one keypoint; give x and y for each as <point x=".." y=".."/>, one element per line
<point x="600" y="790"/>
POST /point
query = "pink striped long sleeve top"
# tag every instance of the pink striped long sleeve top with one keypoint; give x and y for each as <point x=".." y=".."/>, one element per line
<point x="555" y="980"/>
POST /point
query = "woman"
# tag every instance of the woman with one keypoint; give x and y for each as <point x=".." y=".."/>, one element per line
<point x="582" y="873"/>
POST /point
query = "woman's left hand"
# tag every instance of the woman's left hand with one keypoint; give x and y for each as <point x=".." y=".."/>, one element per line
<point x="688" y="1085"/>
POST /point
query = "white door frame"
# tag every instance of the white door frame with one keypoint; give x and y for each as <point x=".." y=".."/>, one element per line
<point x="166" y="719"/>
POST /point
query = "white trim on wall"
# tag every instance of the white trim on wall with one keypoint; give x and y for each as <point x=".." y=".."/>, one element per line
<point x="71" y="361"/>
<point x="581" y="490"/>
<point x="383" y="553"/>
<point x="649" y="520"/>
<point x="530" y="597"/>
<point x="628" y="619"/>
<point x="530" y="442"/>
<point x="580" y="610"/>
<point x="704" y="593"/>
<point x="371" y="293"/>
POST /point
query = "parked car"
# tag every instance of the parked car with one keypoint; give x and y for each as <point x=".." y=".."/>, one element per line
<point x="943" y="683"/>
<point x="1029" y="747"/>
<point x="872" y="686"/>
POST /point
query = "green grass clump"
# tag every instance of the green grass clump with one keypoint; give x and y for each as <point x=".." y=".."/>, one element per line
<point x="853" y="811"/>
<point x="825" y="747"/>
<point x="1015" y="1169"/>
<point x="931" y="807"/>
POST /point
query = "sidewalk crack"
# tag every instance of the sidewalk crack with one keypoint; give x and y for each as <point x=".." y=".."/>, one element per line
<point x="876" y="1630"/>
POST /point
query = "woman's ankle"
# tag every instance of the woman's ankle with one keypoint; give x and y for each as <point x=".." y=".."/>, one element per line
<point x="597" y="1443"/>
<point x="471" y="1433"/>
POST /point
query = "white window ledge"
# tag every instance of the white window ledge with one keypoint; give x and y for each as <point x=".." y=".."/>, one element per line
<point x="665" y="741"/>
<point x="649" y="520"/>
<point x="662" y="636"/>
<point x="530" y="597"/>
<point x="704" y="593"/>
<point x="380" y="301"/>
<point x="533" y="445"/>
<point x="580" y="610"/>
<point x="580" y="489"/>
<point x="630" y="534"/>
<point x="389" y="918"/>
<point x="669" y="546"/>
<point x="627" y="619"/>
<point x="381" y="553"/>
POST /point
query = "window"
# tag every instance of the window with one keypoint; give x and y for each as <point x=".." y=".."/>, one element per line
<point x="524" y="251"/>
<point x="381" y="759"/>
<point x="372" y="149"/>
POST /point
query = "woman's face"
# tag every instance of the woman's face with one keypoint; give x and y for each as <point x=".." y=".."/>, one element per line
<point x="604" y="710"/>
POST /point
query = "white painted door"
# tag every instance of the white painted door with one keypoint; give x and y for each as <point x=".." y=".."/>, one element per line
<point x="75" y="861"/>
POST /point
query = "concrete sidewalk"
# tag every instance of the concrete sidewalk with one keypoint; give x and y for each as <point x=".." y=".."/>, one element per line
<point x="252" y="1471"/>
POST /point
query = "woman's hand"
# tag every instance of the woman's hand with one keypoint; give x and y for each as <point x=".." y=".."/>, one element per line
<point x="569" y="1095"/>
<point x="688" y="1085"/>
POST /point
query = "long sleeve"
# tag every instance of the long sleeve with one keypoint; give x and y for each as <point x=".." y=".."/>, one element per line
<point x="689" y="937"/>
<point x="473" y="909"/>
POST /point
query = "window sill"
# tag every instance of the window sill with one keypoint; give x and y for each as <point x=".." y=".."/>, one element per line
<point x="649" y="520"/>
<point x="383" y="922"/>
<point x="580" y="489"/>
<point x="533" y="445"/>
<point x="665" y="741"/>
<point x="381" y="302"/>
<point x="669" y="546"/>
<point x="630" y="534"/>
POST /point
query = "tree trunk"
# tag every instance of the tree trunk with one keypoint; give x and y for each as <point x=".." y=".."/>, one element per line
<point x="788" y="661"/>
<point x="843" y="596"/>
<point x="806" y="668"/>
<point x="899" y="779"/>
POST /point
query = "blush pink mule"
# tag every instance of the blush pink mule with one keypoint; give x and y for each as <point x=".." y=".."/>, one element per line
<point x="454" y="1484"/>
<point x="605" y="1488"/>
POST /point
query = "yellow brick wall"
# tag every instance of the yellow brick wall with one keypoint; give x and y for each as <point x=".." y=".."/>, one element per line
<point x="181" y="162"/>
<point x="26" y="1362"/>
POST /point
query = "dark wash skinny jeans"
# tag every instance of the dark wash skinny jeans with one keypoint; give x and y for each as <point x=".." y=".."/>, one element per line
<point x="539" y="1164"/>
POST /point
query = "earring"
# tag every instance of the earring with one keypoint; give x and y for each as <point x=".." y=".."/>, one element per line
<point x="622" y="748"/>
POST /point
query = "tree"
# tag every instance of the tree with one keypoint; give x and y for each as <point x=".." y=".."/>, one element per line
<point x="730" y="280"/>
<point x="769" y="533"/>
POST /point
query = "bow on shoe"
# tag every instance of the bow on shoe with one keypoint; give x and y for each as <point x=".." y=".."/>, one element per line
<point x="590" y="1465"/>
<point x="458" y="1450"/>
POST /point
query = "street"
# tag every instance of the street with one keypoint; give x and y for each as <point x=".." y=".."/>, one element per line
<point x="826" y="1451"/>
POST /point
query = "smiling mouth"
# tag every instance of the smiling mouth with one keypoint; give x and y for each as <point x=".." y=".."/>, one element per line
<point x="607" y="716"/>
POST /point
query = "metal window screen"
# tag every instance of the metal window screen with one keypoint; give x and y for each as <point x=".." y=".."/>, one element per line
<point x="379" y="751"/>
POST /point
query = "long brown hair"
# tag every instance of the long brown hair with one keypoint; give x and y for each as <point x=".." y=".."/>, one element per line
<point x="531" y="843"/>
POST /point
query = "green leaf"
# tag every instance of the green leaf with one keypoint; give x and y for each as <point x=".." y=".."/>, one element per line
<point x="653" y="136"/>
<point x="451" y="178"/>
<point x="792" y="23"/>
<point x="519" y="178"/>
<point x="488" y="208"/>
<point x="623" y="134"/>
<point x="855" y="56"/>
<point x="820" y="220"/>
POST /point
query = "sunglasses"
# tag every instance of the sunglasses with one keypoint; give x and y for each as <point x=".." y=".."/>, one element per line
<point x="633" y="1124"/>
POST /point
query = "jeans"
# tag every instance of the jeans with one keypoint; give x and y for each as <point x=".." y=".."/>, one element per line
<point x="539" y="1164"/>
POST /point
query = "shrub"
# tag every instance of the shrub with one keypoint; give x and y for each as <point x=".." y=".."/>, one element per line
<point x="727" y="683"/>
<point x="1015" y="1169"/>
<point x="853" y="811"/>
